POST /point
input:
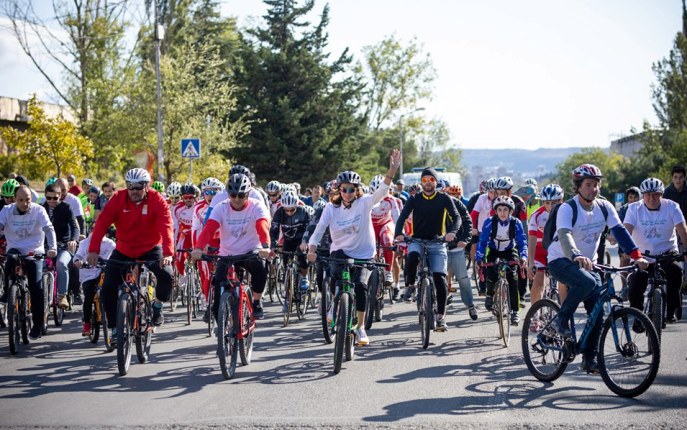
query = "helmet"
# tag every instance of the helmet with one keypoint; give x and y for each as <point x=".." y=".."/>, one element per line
<point x="238" y="183"/>
<point x="94" y="189"/>
<point x="651" y="185"/>
<point x="454" y="189"/>
<point x="273" y="187"/>
<point x="158" y="186"/>
<point x="296" y="185"/>
<point x="174" y="189"/>
<point x="329" y="187"/>
<point x="482" y="185"/>
<point x="491" y="183"/>
<point x="417" y="187"/>
<point x="348" y="177"/>
<point x="442" y="183"/>
<point x="586" y="171"/>
<point x="633" y="190"/>
<point x="551" y="192"/>
<point x="531" y="181"/>
<point x="137" y="175"/>
<point x="50" y="181"/>
<point x="375" y="182"/>
<point x="504" y="201"/>
<point x="503" y="183"/>
<point x="211" y="183"/>
<point x="320" y="204"/>
<point x="366" y="189"/>
<point x="288" y="188"/>
<point x="310" y="210"/>
<point x="288" y="200"/>
<point x="112" y="232"/>
<point x="188" y="188"/>
<point x="9" y="187"/>
<point x="88" y="182"/>
<point x="238" y="168"/>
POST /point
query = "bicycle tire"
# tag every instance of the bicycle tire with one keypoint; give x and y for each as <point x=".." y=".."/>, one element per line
<point x="123" y="333"/>
<point x="190" y="301"/>
<point x="246" y="344"/>
<point x="288" y="297"/>
<point x="607" y="257"/>
<point x="271" y="280"/>
<point x="657" y="311"/>
<point x="349" y="347"/>
<point x="94" y="334"/>
<point x="611" y="360"/>
<point x="106" y="331"/>
<point x="502" y="312"/>
<point x="341" y="331"/>
<point x="47" y="298"/>
<point x="24" y="317"/>
<point x="143" y="335"/>
<point x="426" y="312"/>
<point x="325" y="303"/>
<point x="300" y="303"/>
<point x="545" y="364"/>
<point x="227" y="343"/>
<point x="13" y="319"/>
<point x="193" y="280"/>
<point x="211" y="317"/>
<point x="371" y="302"/>
<point x="281" y="286"/>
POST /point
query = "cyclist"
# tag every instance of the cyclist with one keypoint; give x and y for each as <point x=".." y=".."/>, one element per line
<point x="8" y="189"/>
<point x="173" y="194"/>
<point x="159" y="187"/>
<point x="67" y="236"/>
<point x="290" y="221"/>
<point x="74" y="188"/>
<point x="349" y="220"/>
<point x="210" y="187"/>
<point x="633" y="195"/>
<point x="503" y="236"/>
<point x="384" y="215"/>
<point x="479" y="213"/>
<point x="430" y="211"/>
<point x="144" y="232"/>
<point x="652" y="224"/>
<point x="108" y="189"/>
<point x="86" y="185"/>
<point x="550" y="195"/>
<point x="26" y="227"/>
<point x="456" y="255"/>
<point x="243" y="223"/>
<point x="273" y="189"/>
<point x="72" y="201"/>
<point x="325" y="242"/>
<point x="573" y="248"/>
<point x="182" y="218"/>
<point x="533" y="203"/>
<point x="89" y="277"/>
<point x="254" y="192"/>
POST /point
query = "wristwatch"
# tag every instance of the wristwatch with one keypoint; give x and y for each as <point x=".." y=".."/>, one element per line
<point x="265" y="245"/>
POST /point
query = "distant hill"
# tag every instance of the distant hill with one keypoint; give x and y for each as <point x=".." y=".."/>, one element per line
<point x="523" y="161"/>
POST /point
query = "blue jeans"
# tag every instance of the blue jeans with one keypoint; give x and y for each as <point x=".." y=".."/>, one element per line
<point x="583" y="286"/>
<point x="456" y="262"/>
<point x="62" y="261"/>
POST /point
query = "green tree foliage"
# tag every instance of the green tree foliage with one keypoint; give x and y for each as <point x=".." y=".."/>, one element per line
<point x="670" y="92"/>
<point x="50" y="146"/>
<point x="304" y="120"/>
<point x="434" y="147"/>
<point x="611" y="166"/>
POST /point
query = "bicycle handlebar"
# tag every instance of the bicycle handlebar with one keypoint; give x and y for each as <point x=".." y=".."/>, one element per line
<point x="352" y="262"/>
<point x="231" y="258"/>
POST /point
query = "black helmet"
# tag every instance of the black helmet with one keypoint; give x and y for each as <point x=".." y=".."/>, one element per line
<point x="238" y="183"/>
<point x="188" y="188"/>
<point x="238" y="168"/>
<point x="112" y="232"/>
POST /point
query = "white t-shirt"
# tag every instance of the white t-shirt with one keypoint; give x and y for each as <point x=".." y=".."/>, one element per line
<point x="483" y="205"/>
<point x="351" y="229"/>
<point x="224" y="195"/>
<point x="654" y="231"/>
<point x="74" y="203"/>
<point x="25" y="232"/>
<point x="237" y="228"/>
<point x="587" y="229"/>
<point x="106" y="248"/>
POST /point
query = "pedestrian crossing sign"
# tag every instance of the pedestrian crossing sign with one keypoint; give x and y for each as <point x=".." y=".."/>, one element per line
<point x="190" y="148"/>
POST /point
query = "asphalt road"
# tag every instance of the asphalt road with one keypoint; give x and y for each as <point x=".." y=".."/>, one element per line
<point x="464" y="379"/>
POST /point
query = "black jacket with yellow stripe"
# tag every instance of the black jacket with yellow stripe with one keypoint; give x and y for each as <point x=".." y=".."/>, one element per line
<point x="433" y="216"/>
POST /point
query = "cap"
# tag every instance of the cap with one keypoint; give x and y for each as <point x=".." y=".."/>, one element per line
<point x="428" y="171"/>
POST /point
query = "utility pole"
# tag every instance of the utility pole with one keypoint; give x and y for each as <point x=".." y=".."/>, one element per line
<point x="159" y="36"/>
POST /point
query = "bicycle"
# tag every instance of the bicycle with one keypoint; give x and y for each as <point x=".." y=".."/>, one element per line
<point x="275" y="277"/>
<point x="134" y="312"/>
<point x="98" y="315"/>
<point x="192" y="291"/>
<point x="235" y="322"/>
<point x="656" y="289"/>
<point x="52" y="301"/>
<point x="502" y="306"/>
<point x="374" y="308"/>
<point x="628" y="359"/>
<point x="19" y="303"/>
<point x="292" y="289"/>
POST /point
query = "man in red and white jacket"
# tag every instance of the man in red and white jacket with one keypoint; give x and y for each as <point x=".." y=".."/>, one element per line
<point x="209" y="187"/>
<point x="182" y="216"/>
<point x="384" y="215"/>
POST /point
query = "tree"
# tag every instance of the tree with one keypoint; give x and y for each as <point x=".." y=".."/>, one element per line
<point x="434" y="147"/>
<point x="305" y="121"/>
<point x="50" y="146"/>
<point x="611" y="166"/>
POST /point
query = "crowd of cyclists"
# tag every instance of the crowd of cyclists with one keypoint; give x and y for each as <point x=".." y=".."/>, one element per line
<point x="344" y="218"/>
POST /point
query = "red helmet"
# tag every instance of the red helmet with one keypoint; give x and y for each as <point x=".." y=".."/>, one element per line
<point x="586" y="171"/>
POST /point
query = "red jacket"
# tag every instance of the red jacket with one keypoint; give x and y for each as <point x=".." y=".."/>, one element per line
<point x="140" y="227"/>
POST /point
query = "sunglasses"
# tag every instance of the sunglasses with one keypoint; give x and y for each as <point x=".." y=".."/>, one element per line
<point x="132" y="187"/>
<point x="210" y="192"/>
<point x="289" y="210"/>
<point x="426" y="179"/>
<point x="188" y="196"/>
<point x="52" y="198"/>
<point x="348" y="190"/>
<point x="273" y="194"/>
<point x="238" y="196"/>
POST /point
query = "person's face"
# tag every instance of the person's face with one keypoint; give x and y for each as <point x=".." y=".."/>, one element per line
<point x="274" y="197"/>
<point x="500" y="193"/>
<point x="429" y="184"/>
<point x="632" y="197"/>
<point x="238" y="201"/>
<point x="92" y="197"/>
<point x="137" y="191"/>
<point x="209" y="194"/>
<point x="8" y="200"/>
<point x="189" y="199"/>
<point x="399" y="187"/>
<point x="589" y="189"/>
<point x="23" y="199"/>
<point x="652" y="200"/>
<point x="316" y="193"/>
<point x="503" y="212"/>
<point x="549" y="204"/>
<point x="678" y="180"/>
<point x="108" y="191"/>
<point x="174" y="200"/>
<point x="70" y="181"/>
<point x="53" y="198"/>
<point x="348" y="192"/>
<point x="491" y="194"/>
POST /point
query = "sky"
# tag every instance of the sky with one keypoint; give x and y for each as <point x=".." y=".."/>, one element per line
<point x="511" y="74"/>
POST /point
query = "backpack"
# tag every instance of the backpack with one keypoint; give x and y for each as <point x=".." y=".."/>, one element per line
<point x="494" y="228"/>
<point x="550" y="226"/>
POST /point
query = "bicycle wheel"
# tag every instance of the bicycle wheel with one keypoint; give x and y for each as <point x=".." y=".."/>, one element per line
<point x="124" y="323"/>
<point x="271" y="280"/>
<point x="190" y="301"/>
<point x="143" y="335"/>
<point x="288" y="297"/>
<point x="629" y="366"/>
<point x="541" y="345"/>
<point x="47" y="297"/>
<point x="25" y="317"/>
<point x="227" y="343"/>
<point x="426" y="312"/>
<point x="246" y="344"/>
<point x="194" y="281"/>
<point x="657" y="311"/>
<point x="13" y="319"/>
<point x="501" y="309"/>
<point x="211" y="317"/>
<point x="106" y="331"/>
<point x="299" y="297"/>
<point x="94" y="334"/>
<point x="371" y="302"/>
<point x="325" y="303"/>
<point x="341" y="330"/>
<point x="281" y="284"/>
<point x="349" y="347"/>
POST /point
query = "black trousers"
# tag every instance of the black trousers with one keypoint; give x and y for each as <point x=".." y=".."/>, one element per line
<point x="258" y="276"/>
<point x="33" y="270"/>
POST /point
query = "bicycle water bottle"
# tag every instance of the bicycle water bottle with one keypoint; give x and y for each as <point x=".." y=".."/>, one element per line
<point x="150" y="292"/>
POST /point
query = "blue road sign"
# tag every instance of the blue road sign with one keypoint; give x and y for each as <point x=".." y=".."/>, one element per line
<point x="190" y="148"/>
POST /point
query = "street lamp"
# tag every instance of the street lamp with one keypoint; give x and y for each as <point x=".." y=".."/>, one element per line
<point x="400" y="135"/>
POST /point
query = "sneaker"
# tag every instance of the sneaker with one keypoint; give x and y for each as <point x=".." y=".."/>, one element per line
<point x="77" y="300"/>
<point x="36" y="332"/>
<point x="561" y="327"/>
<point x="388" y="278"/>
<point x="113" y="337"/>
<point x="258" y="311"/>
<point x="397" y="293"/>
<point x="441" y="325"/>
<point x="473" y="312"/>
<point x="64" y="303"/>
<point x="3" y="297"/>
<point x="361" y="337"/>
<point x="489" y="303"/>
<point x="86" y="330"/>
<point x="409" y="294"/>
<point x="304" y="284"/>
<point x="590" y="365"/>
<point x="330" y="314"/>
<point x="206" y="315"/>
<point x="514" y="318"/>
<point x="158" y="318"/>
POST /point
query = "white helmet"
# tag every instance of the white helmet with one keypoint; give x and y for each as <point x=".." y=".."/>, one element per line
<point x="504" y="201"/>
<point x="551" y="192"/>
<point x="137" y="176"/>
<point x="320" y="204"/>
<point x="288" y="200"/>
<point x="211" y="183"/>
<point x="651" y="185"/>
<point x="174" y="189"/>
<point x="273" y="187"/>
<point x="375" y="182"/>
<point x="503" y="183"/>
